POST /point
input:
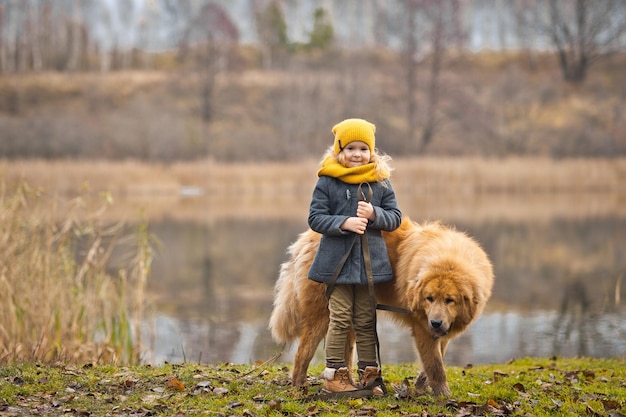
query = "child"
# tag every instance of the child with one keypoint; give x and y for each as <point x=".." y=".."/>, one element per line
<point x="350" y="165"/>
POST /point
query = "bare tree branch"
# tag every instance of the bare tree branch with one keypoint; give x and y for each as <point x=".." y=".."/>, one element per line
<point x="582" y="31"/>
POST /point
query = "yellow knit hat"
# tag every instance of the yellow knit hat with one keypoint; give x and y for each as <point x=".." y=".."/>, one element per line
<point x="351" y="130"/>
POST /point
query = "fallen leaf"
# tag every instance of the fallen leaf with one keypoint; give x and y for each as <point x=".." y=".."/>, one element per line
<point x="402" y="389"/>
<point x="519" y="387"/>
<point x="589" y="374"/>
<point x="204" y="384"/>
<point x="18" y="381"/>
<point x="128" y="383"/>
<point x="572" y="377"/>
<point x="558" y="403"/>
<point x="497" y="375"/>
<point x="175" y="383"/>
<point x="150" y="398"/>
<point x="592" y="412"/>
<point x="493" y="403"/>
<point x="610" y="405"/>
<point x="274" y="405"/>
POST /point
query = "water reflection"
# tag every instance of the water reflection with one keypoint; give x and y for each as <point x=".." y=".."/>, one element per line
<point x="495" y="338"/>
<point x="557" y="289"/>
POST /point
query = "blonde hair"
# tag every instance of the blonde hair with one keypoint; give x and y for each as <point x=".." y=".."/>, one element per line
<point x="381" y="161"/>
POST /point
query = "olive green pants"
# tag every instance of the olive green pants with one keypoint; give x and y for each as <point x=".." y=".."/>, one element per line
<point x="350" y="307"/>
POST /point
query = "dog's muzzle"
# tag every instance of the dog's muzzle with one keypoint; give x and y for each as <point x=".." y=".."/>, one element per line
<point x="437" y="328"/>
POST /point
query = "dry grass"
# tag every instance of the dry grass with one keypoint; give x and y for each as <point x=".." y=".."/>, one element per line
<point x="423" y="176"/>
<point x="39" y="88"/>
<point x="436" y="187"/>
<point x="58" y="301"/>
<point x="516" y="175"/>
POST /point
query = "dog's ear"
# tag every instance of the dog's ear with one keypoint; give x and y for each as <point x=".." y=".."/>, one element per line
<point x="468" y="310"/>
<point x="415" y="294"/>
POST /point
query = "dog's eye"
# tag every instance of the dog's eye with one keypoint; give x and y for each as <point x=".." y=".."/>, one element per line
<point x="449" y="300"/>
<point x="430" y="299"/>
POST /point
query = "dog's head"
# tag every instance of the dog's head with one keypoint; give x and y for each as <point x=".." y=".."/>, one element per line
<point x="446" y="298"/>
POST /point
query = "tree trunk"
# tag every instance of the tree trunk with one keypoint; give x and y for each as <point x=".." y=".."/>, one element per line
<point x="572" y="43"/>
<point x="435" y="70"/>
<point x="2" y="44"/>
<point x="75" y="38"/>
<point x="411" y="74"/>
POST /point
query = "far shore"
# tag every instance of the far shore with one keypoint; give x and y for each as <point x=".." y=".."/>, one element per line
<point x="448" y="188"/>
<point x="428" y="175"/>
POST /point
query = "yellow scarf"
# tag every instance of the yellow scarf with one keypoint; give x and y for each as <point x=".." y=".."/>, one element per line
<point x="357" y="175"/>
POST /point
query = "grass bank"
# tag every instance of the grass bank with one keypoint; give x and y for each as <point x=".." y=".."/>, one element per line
<point x="524" y="387"/>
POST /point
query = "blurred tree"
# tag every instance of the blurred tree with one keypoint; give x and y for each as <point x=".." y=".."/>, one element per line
<point x="582" y="31"/>
<point x="445" y="28"/>
<point x="212" y="27"/>
<point x="33" y="34"/>
<point x="271" y="29"/>
<point x="147" y="33"/>
<point x="127" y="17"/>
<point x="411" y="49"/>
<point x="3" y="61"/>
<point x="525" y="11"/>
<point x="21" y="40"/>
<point x="437" y="24"/>
<point x="75" y="37"/>
<point x="322" y="35"/>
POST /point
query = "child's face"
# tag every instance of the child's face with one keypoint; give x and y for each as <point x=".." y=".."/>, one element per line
<point x="357" y="153"/>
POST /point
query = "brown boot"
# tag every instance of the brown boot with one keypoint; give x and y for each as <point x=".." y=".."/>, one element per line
<point x="371" y="378"/>
<point x="337" y="380"/>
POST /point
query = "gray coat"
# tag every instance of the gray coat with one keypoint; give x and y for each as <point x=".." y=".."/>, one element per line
<point x="332" y="203"/>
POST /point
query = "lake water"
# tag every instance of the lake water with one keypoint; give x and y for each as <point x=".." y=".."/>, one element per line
<point x="558" y="261"/>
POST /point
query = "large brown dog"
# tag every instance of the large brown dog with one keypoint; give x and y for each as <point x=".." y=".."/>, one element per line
<point x="441" y="275"/>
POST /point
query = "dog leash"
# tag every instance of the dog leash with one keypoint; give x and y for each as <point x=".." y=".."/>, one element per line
<point x="360" y="393"/>
<point x="367" y="260"/>
<point x="368" y="266"/>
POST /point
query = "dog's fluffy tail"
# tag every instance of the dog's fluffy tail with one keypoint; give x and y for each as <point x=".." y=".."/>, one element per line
<point x="286" y="316"/>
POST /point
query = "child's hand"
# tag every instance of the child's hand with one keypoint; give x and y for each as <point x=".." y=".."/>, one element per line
<point x="366" y="211"/>
<point x="355" y="224"/>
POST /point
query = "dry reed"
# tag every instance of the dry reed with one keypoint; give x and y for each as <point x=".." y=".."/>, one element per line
<point x="58" y="301"/>
<point x="423" y="176"/>
<point x="449" y="188"/>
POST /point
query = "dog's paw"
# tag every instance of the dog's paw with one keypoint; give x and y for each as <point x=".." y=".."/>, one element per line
<point x="442" y="390"/>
